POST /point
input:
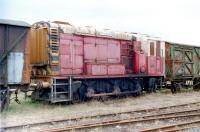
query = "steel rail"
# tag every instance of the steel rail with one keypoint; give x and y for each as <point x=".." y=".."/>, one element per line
<point x="118" y="122"/>
<point x="99" y="115"/>
<point x="181" y="129"/>
<point x="176" y="127"/>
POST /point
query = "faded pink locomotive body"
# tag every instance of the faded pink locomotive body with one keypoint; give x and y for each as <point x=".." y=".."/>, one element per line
<point x="103" y="55"/>
<point x="86" y="62"/>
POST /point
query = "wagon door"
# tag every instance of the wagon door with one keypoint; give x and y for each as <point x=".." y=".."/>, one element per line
<point x="14" y="63"/>
<point x="188" y="61"/>
<point x="196" y="60"/>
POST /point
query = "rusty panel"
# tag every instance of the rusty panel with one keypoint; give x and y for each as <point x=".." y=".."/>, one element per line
<point x="65" y="50"/>
<point x="179" y="61"/>
<point x="151" y="65"/>
<point x="177" y="55"/>
<point x="113" y="51"/>
<point x="128" y="62"/>
<point x="26" y="76"/>
<point x="124" y="48"/>
<point x="101" y="50"/>
<point x="66" y="61"/>
<point x="71" y="54"/>
<point x="168" y="61"/>
<point x="96" y="69"/>
<point x="168" y="51"/>
<point x="140" y="58"/>
<point x="127" y="55"/>
<point x="137" y="46"/>
<point x="102" y="41"/>
<point x="140" y="63"/>
<point x="158" y="53"/>
<point x="152" y="49"/>
<point x="116" y="69"/>
<point x="90" y="53"/>
<point x="103" y="69"/>
<point x="188" y="56"/>
<point x="70" y="71"/>
<point x="14" y="42"/>
<point x="177" y="70"/>
<point x="188" y="69"/>
<point x="159" y="65"/>
<point x="39" y="46"/>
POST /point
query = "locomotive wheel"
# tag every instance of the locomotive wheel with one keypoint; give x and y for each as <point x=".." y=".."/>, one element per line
<point x="82" y="93"/>
<point x="179" y="88"/>
<point x="173" y="88"/>
<point x="90" y="92"/>
<point x="139" y="89"/>
<point x="196" y="86"/>
<point x="152" y="85"/>
<point x="176" y="87"/>
<point x="76" y="98"/>
<point x="117" y="90"/>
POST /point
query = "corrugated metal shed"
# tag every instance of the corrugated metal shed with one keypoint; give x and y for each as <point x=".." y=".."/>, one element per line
<point x="14" y="23"/>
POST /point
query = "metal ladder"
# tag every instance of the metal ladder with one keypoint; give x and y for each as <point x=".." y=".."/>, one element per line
<point x="54" y="50"/>
<point x="55" y="94"/>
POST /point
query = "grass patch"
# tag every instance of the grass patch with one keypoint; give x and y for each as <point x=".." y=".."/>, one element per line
<point x="26" y="105"/>
<point x="165" y="91"/>
<point x="182" y="90"/>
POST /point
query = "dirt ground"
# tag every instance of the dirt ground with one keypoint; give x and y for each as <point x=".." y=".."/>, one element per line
<point x="29" y="112"/>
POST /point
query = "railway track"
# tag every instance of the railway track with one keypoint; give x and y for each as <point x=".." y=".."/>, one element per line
<point x="125" y="121"/>
<point x="176" y="127"/>
<point x="148" y="115"/>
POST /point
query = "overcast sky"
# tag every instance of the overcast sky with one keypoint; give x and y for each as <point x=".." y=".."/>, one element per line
<point x="172" y="20"/>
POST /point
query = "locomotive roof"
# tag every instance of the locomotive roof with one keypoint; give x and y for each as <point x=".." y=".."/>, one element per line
<point x="91" y="31"/>
<point x="66" y="27"/>
<point x="14" y="23"/>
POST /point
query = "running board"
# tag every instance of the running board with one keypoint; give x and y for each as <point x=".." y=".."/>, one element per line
<point x="110" y="94"/>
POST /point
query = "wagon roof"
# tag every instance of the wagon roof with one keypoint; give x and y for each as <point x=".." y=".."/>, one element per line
<point x="14" y="23"/>
<point x="182" y="44"/>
